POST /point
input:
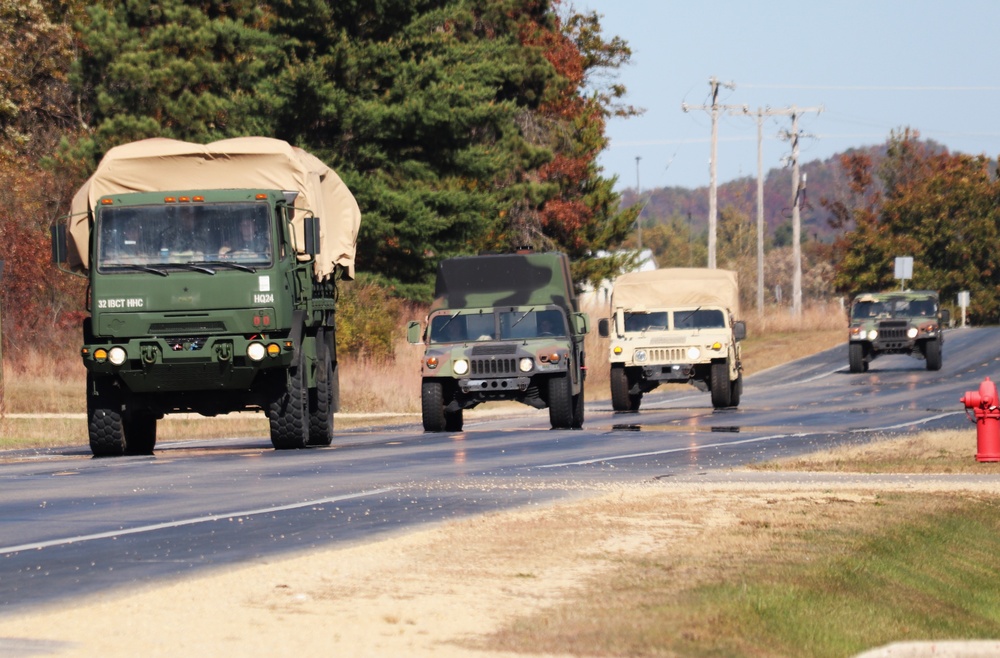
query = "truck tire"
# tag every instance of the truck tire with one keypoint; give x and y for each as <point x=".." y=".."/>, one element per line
<point x="620" y="399"/>
<point x="432" y="406"/>
<point x="736" y="391"/>
<point x="322" y="398"/>
<point x="560" y="401"/>
<point x="932" y="352"/>
<point x="104" y="417"/>
<point x="140" y="432"/>
<point x="856" y="357"/>
<point x="288" y="411"/>
<point x="721" y="389"/>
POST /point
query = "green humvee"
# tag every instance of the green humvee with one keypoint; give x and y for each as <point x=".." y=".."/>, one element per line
<point x="212" y="287"/>
<point x="903" y="322"/>
<point x="502" y="327"/>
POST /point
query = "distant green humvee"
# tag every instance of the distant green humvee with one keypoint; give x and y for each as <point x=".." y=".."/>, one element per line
<point x="502" y="327"/>
<point x="902" y="322"/>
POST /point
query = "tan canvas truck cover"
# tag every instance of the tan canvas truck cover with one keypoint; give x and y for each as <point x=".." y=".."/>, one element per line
<point x="677" y="287"/>
<point x="161" y="164"/>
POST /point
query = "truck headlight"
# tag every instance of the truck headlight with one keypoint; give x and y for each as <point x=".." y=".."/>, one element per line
<point x="526" y="364"/>
<point x="256" y="351"/>
<point x="693" y="354"/>
<point x="640" y="356"/>
<point x="873" y="334"/>
<point x="117" y="356"/>
<point x="911" y="332"/>
<point x="461" y="367"/>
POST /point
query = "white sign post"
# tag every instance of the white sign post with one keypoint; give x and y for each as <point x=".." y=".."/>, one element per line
<point x="904" y="269"/>
<point x="963" y="302"/>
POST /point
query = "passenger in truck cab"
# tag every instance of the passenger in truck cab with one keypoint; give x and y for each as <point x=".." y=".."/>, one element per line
<point x="184" y="236"/>
<point x="249" y="239"/>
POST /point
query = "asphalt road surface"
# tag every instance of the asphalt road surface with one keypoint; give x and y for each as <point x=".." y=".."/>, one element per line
<point x="72" y="525"/>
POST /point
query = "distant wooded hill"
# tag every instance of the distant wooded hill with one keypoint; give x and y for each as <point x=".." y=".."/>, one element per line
<point x="824" y="179"/>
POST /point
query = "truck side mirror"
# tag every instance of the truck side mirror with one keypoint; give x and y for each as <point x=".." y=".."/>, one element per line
<point x="945" y="317"/>
<point x="58" y="232"/>
<point x="312" y="235"/>
<point x="604" y="327"/>
<point x="581" y="323"/>
<point x="413" y="333"/>
<point x="739" y="330"/>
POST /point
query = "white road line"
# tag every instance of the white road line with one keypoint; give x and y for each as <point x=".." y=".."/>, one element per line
<point x="184" y="522"/>
<point x="741" y="442"/>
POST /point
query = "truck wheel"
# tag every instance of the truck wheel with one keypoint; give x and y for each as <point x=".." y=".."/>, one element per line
<point x="288" y="412"/>
<point x="620" y="399"/>
<point x="736" y="391"/>
<point x="721" y="390"/>
<point x="932" y="352"/>
<point x="322" y="399"/>
<point x="104" y="417"/>
<point x="856" y="357"/>
<point x="432" y="406"/>
<point x="560" y="401"/>
<point x="140" y="432"/>
<point x="453" y="421"/>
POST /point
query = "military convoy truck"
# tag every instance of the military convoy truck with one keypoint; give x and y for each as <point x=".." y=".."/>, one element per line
<point x="676" y="325"/>
<point x="502" y="327"/>
<point x="212" y="274"/>
<point x="901" y="322"/>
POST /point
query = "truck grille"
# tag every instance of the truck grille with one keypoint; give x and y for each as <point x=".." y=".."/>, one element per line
<point x="190" y="327"/>
<point x="484" y="350"/>
<point x="493" y="366"/>
<point x="894" y="330"/>
<point x="667" y="355"/>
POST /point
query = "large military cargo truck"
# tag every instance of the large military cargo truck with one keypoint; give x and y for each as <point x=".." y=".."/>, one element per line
<point x="212" y="275"/>
<point x="675" y="325"/>
<point x="902" y="322"/>
<point x="502" y="327"/>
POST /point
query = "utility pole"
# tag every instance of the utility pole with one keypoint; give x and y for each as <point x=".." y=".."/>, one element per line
<point x="715" y="107"/>
<point x="793" y="136"/>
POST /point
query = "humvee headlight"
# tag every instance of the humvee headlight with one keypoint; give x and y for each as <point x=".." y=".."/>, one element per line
<point x="117" y="356"/>
<point x="873" y="334"/>
<point x="461" y="367"/>
<point x="256" y="351"/>
<point x="694" y="354"/>
<point x="716" y="346"/>
<point x="617" y="349"/>
<point x="526" y="364"/>
<point x="273" y="350"/>
<point x="100" y="355"/>
<point x="911" y="332"/>
<point x="640" y="356"/>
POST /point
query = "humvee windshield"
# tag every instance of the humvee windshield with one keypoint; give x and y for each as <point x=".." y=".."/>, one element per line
<point x="130" y="236"/>
<point x="894" y="307"/>
<point x="695" y="318"/>
<point x="513" y="325"/>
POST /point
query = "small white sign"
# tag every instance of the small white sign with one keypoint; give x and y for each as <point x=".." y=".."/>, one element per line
<point x="904" y="267"/>
<point x="264" y="283"/>
<point x="963" y="298"/>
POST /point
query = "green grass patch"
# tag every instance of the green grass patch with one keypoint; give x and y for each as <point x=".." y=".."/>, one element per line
<point x="906" y="567"/>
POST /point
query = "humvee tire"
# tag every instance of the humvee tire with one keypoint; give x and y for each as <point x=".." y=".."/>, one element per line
<point x="721" y="391"/>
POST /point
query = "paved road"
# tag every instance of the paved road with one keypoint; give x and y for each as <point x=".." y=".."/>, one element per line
<point x="73" y="525"/>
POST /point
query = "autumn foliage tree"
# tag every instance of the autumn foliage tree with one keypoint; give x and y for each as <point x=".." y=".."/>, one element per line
<point x="942" y="209"/>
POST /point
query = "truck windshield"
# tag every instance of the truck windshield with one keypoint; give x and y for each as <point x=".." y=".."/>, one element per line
<point x="704" y="318"/>
<point x="646" y="321"/>
<point x="238" y="233"/>
<point x="461" y="328"/>
<point x="515" y="325"/>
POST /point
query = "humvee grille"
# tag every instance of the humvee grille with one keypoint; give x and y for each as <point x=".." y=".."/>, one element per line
<point x="493" y="366"/>
<point x="893" y="330"/>
<point x="480" y="350"/>
<point x="667" y="355"/>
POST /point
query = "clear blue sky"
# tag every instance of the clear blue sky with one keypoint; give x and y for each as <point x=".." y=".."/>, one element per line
<point x="873" y="65"/>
